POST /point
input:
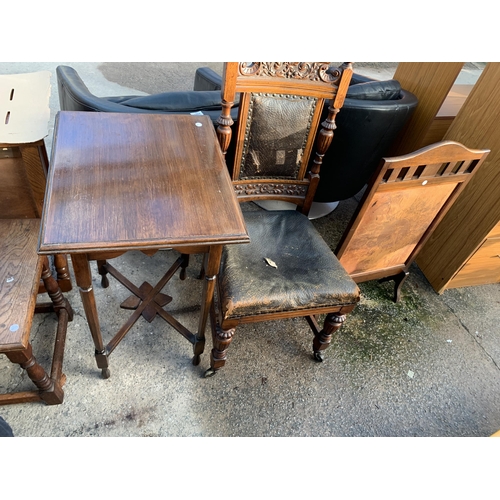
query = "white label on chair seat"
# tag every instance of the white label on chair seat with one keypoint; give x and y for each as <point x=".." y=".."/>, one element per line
<point x="271" y="263"/>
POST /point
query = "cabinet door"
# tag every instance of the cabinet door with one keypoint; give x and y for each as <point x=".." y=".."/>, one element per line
<point x="482" y="268"/>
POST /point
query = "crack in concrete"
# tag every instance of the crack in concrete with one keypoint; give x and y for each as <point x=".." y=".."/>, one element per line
<point x="41" y="324"/>
<point x="473" y="336"/>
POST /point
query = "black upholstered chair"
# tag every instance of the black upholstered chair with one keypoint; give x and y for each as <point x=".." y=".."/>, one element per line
<point x="75" y="96"/>
<point x="287" y="270"/>
<point x="373" y="114"/>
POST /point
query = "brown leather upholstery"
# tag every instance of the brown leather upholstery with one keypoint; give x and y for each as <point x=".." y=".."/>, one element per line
<point x="272" y="150"/>
<point x="307" y="274"/>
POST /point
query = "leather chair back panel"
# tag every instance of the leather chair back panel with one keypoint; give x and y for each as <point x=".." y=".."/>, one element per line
<point x="271" y="150"/>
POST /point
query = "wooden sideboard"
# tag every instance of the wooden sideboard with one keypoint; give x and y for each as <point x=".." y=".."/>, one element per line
<point x="483" y="267"/>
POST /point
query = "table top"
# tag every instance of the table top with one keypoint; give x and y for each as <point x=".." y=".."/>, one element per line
<point x="120" y="181"/>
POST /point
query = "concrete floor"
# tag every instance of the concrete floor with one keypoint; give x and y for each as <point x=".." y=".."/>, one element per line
<point x="427" y="366"/>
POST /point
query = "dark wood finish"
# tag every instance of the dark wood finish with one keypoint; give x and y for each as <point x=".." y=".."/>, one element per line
<point x="302" y="80"/>
<point x="22" y="270"/>
<point x="23" y="169"/>
<point x="468" y="224"/>
<point x="99" y="162"/>
<point x="138" y="182"/>
<point x="407" y="197"/>
<point x="308" y="80"/>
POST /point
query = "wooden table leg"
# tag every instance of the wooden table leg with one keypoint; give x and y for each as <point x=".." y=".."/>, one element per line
<point x="63" y="276"/>
<point x="50" y="390"/>
<point x="83" y="278"/>
<point x="211" y="267"/>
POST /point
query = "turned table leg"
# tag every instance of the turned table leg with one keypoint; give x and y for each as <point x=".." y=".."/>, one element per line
<point x="222" y="340"/>
<point x="211" y="268"/>
<point x="83" y="277"/>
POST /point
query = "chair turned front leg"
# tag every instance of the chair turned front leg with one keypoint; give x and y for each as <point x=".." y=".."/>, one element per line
<point x="221" y="340"/>
<point x="322" y="339"/>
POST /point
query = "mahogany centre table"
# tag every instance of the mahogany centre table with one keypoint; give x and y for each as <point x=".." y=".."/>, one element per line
<point x="119" y="182"/>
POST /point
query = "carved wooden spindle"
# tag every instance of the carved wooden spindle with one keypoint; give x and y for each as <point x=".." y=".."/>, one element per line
<point x="54" y="291"/>
<point x="224" y="123"/>
<point x="61" y="265"/>
<point x="324" y="139"/>
<point x="322" y="339"/>
<point x="221" y="341"/>
<point x="325" y="135"/>
<point x="35" y="371"/>
<point x="51" y="285"/>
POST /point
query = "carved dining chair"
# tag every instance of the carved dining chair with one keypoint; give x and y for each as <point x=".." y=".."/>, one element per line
<point x="287" y="270"/>
<point x="404" y="202"/>
<point x="23" y="273"/>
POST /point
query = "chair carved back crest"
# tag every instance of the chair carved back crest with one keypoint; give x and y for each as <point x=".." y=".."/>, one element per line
<point x="277" y="129"/>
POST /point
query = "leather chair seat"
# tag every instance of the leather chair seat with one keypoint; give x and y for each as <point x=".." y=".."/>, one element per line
<point x="310" y="277"/>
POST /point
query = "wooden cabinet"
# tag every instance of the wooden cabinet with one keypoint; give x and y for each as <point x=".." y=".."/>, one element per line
<point x="431" y="82"/>
<point x="464" y="248"/>
<point x="483" y="267"/>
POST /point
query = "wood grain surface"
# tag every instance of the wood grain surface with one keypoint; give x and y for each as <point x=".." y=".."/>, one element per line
<point x="137" y="181"/>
